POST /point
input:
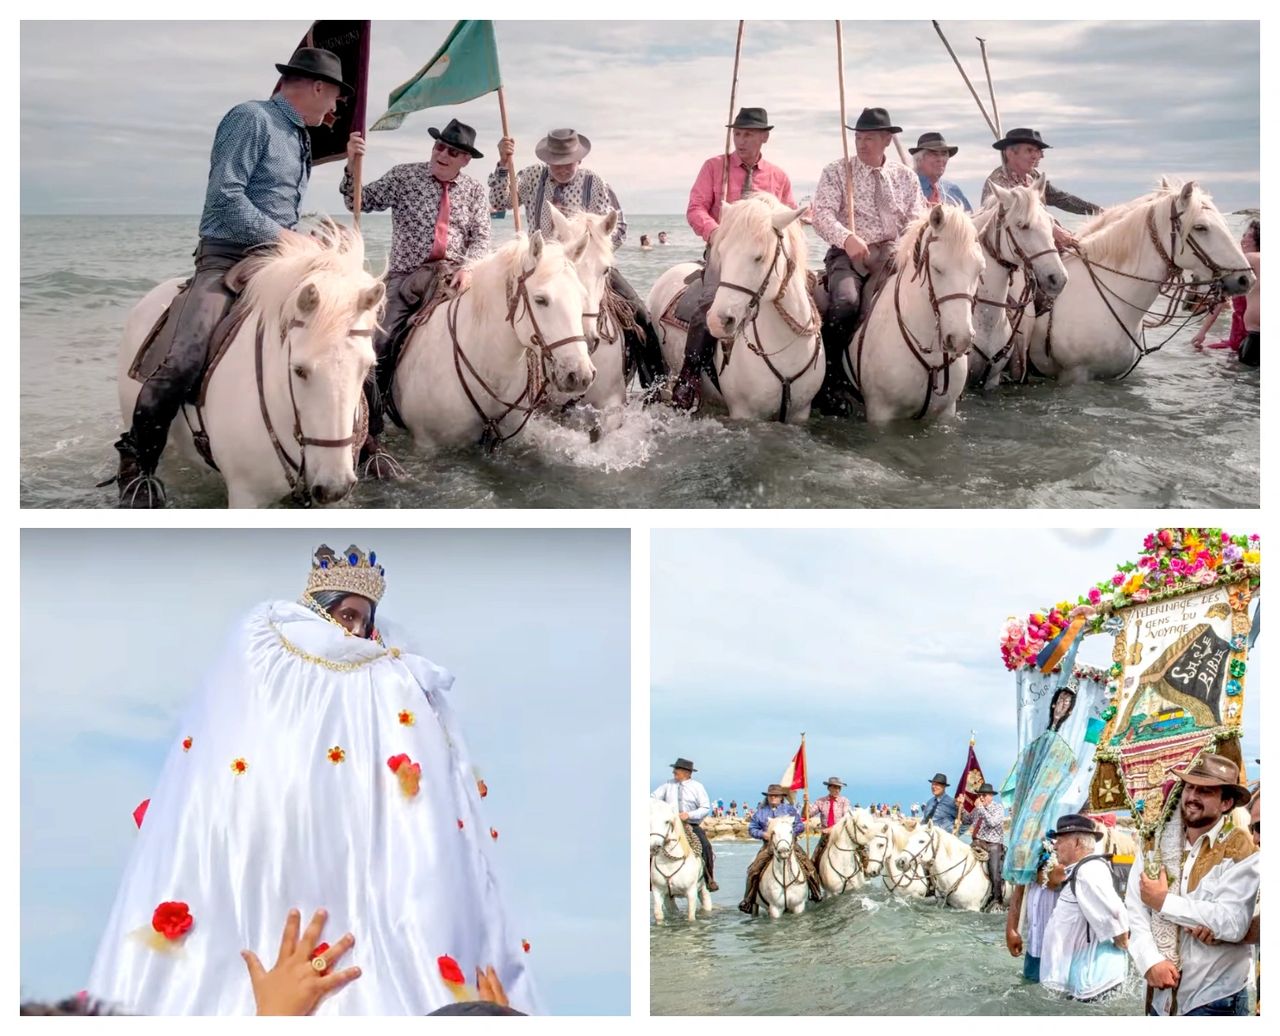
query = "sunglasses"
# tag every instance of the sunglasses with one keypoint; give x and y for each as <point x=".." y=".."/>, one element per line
<point x="452" y="152"/>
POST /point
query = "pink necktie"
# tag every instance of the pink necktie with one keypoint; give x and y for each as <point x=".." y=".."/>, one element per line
<point x="831" y="812"/>
<point x="442" y="224"/>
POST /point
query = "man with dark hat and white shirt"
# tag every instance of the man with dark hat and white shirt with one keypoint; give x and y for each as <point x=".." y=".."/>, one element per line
<point x="886" y="198"/>
<point x="1214" y="887"/>
<point x="558" y="179"/>
<point x="939" y="808"/>
<point x="691" y="801"/>
<point x="439" y="229"/>
<point x="747" y="173"/>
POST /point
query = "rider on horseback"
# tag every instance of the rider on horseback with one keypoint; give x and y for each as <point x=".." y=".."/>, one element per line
<point x="830" y="810"/>
<point x="691" y="801"/>
<point x="439" y="226"/>
<point x="774" y="807"/>
<point x="258" y="172"/>
<point x="559" y="180"/>
<point x="987" y="818"/>
<point x="748" y="172"/>
<point x="886" y="198"/>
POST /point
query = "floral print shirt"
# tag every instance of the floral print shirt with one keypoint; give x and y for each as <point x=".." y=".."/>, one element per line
<point x="885" y="200"/>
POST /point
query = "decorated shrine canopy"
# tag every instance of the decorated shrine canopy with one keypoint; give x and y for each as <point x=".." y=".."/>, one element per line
<point x="1175" y="688"/>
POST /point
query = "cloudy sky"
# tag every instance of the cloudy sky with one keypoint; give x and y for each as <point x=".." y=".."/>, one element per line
<point x="883" y="646"/>
<point x="120" y="624"/>
<point x="118" y="117"/>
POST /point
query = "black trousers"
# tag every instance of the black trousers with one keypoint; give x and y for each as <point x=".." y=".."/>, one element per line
<point x="406" y="292"/>
<point x="995" y="864"/>
<point x="1251" y="348"/>
<point x="700" y="343"/>
<point x="642" y="344"/>
<point x="193" y="317"/>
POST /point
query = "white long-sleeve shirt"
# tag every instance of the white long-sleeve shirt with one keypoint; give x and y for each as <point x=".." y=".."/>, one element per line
<point x="1222" y="900"/>
<point x="1077" y="956"/>
<point x="688" y="796"/>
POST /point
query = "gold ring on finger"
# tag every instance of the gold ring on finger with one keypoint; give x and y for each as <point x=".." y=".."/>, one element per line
<point x="320" y="965"/>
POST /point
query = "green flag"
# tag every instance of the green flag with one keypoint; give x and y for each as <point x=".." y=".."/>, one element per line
<point x="465" y="67"/>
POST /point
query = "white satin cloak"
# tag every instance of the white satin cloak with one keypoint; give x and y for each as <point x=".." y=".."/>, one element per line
<point x="409" y="877"/>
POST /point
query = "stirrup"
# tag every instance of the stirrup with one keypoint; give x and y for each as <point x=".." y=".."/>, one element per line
<point x="382" y="466"/>
<point x="143" y="492"/>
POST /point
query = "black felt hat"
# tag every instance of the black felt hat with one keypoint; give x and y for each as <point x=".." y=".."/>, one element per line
<point x="875" y="119"/>
<point x="457" y="134"/>
<point x="315" y="63"/>
<point x="1021" y="135"/>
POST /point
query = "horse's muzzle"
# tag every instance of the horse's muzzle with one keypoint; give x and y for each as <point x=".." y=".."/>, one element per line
<point x="957" y="345"/>
<point x="1237" y="283"/>
<point x="325" y="493"/>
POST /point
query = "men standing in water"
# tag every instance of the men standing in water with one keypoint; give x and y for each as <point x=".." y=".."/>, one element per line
<point x="830" y="810"/>
<point x="258" y="172"/>
<point x="987" y="818"/>
<point x="747" y="173"/>
<point x="439" y="227"/>
<point x="759" y="827"/>
<point x="940" y="808"/>
<point x="886" y="198"/>
<point x="1021" y="150"/>
<point x="693" y="804"/>
<point x="558" y="179"/>
<point x="1216" y="888"/>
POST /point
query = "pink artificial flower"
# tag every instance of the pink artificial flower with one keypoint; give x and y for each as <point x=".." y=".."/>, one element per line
<point x="1147" y="562"/>
<point x="1095" y="595"/>
<point x="1117" y="579"/>
<point x="1150" y="542"/>
<point x="1165" y="536"/>
<point x="1141" y="594"/>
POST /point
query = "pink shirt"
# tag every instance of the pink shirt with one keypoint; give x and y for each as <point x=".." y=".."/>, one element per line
<point x="703" y="212"/>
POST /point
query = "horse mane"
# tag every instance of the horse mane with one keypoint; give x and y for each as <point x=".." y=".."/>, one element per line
<point x="593" y="227"/>
<point x="1026" y="200"/>
<point x="957" y="229"/>
<point x="491" y="276"/>
<point x="752" y="218"/>
<point x="331" y="258"/>
<point x="1116" y="235"/>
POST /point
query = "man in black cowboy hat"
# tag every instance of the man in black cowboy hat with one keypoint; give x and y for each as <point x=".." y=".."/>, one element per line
<point x="830" y="810"/>
<point x="886" y="198"/>
<point x="759" y="828"/>
<point x="258" y="172"/>
<point x="939" y="808"/>
<point x="693" y="804"/>
<point x="747" y="172"/>
<point x="987" y="818"/>
<point x="1021" y="150"/>
<point x="439" y="229"/>
<point x="931" y="155"/>
<point x="1214" y="886"/>
<point x="558" y="179"/>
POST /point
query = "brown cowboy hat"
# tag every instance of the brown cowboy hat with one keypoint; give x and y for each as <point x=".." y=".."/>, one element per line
<point x="750" y="118"/>
<point x="315" y="63"/>
<point x="775" y="789"/>
<point x="933" y="142"/>
<point x="684" y="764"/>
<point x="562" y="147"/>
<point x="1216" y="771"/>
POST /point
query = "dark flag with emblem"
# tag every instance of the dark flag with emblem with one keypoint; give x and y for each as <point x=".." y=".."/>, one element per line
<point x="970" y="781"/>
<point x="350" y="41"/>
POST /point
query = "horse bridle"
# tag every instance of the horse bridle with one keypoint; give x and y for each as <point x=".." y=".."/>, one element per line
<point x="681" y="860"/>
<point x="970" y="864"/>
<point x="541" y="349"/>
<point x="754" y="297"/>
<point x="859" y="857"/>
<point x="295" y="472"/>
<point x="1018" y="306"/>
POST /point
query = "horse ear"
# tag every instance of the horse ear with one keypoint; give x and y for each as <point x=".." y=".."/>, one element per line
<point x="1188" y="189"/>
<point x="1003" y="195"/>
<point x="936" y="217"/>
<point x="610" y="222"/>
<point x="784" y="217"/>
<point x="371" y="297"/>
<point x="308" y="298"/>
<point x="559" y="223"/>
<point x="535" y="250"/>
<point x="1165" y="185"/>
<point x="578" y="249"/>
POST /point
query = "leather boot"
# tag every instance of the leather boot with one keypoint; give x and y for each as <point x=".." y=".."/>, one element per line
<point x="835" y="398"/>
<point x="646" y="350"/>
<point x="699" y="349"/>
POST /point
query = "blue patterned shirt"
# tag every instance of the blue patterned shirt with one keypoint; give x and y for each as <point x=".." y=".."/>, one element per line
<point x="950" y="192"/>
<point x="258" y="171"/>
<point x="761" y="817"/>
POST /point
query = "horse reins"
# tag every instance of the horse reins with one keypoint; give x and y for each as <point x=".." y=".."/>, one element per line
<point x="682" y="860"/>
<point x="859" y="859"/>
<point x="1018" y="306"/>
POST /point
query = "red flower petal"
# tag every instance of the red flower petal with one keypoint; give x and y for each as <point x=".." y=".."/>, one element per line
<point x="524" y="943"/>
<point x="321" y="948"/>
<point x="186" y="743"/>
<point x="396" y="760"/>
<point x="449" y="970"/>
<point x="459" y="823"/>
<point x="141" y="811"/>
<point x="484" y="788"/>
<point x="493" y="833"/>
<point x="172" y="920"/>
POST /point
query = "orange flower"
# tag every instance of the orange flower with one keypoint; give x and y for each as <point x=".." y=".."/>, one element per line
<point x="239" y="766"/>
<point x="524" y="945"/>
<point x="407" y="718"/>
<point x="336" y="755"/>
<point x="407" y="772"/>
<point x="493" y="833"/>
<point x="482" y="787"/>
<point x="186" y="743"/>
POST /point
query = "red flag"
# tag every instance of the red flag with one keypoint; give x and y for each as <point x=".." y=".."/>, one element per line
<point x="793" y="778"/>
<point x="970" y="781"/>
<point x="350" y="41"/>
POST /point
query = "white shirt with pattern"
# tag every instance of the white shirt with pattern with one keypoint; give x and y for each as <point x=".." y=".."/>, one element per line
<point x="568" y="198"/>
<point x="413" y="196"/>
<point x="885" y="200"/>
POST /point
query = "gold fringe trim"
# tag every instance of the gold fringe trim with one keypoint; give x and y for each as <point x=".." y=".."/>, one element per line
<point x="337" y="667"/>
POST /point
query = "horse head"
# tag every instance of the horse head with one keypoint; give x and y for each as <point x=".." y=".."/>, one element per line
<point x="780" y="836"/>
<point x="1204" y="244"/>
<point x="316" y="292"/>
<point x="877" y="850"/>
<point x="662" y="827"/>
<point x="1027" y="237"/>
<point x="545" y="303"/>
<point x="757" y="245"/>
<point x="946" y="259"/>
<point x="588" y="244"/>
<point x="919" y="852"/>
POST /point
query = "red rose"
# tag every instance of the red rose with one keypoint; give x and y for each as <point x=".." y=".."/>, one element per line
<point x="172" y="920"/>
<point x="459" y="823"/>
<point x="396" y="760"/>
<point x="449" y="970"/>
<point x="493" y="833"/>
<point x="186" y="743"/>
<point x="524" y="943"/>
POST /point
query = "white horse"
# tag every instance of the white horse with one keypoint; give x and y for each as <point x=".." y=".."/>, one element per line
<point x="773" y="367"/>
<point x="1015" y="231"/>
<point x="1127" y="256"/>
<point x="959" y="877"/>
<point x="904" y="875"/>
<point x="281" y="404"/>
<point x="674" y="869"/>
<point x="855" y="853"/>
<point x="783" y="885"/>
<point x="588" y="238"/>
<point x="909" y="359"/>
<point x="474" y="371"/>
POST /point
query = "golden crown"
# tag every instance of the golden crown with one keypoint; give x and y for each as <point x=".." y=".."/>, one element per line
<point x="352" y="571"/>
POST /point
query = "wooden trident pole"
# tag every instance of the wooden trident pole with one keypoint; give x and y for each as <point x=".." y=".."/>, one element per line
<point x="960" y="68"/>
<point x="844" y="129"/>
<point x="511" y="163"/>
<point x="991" y="90"/>
<point x="728" y="131"/>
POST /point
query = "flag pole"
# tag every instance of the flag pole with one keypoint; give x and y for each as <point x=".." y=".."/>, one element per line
<point x="804" y="758"/>
<point x="960" y="68"/>
<point x="511" y="163"/>
<point x="991" y="90"/>
<point x="357" y="171"/>
<point x="844" y="129"/>
<point x="728" y="130"/>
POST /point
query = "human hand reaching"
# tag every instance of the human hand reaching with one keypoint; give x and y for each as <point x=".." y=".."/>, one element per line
<point x="295" y="985"/>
